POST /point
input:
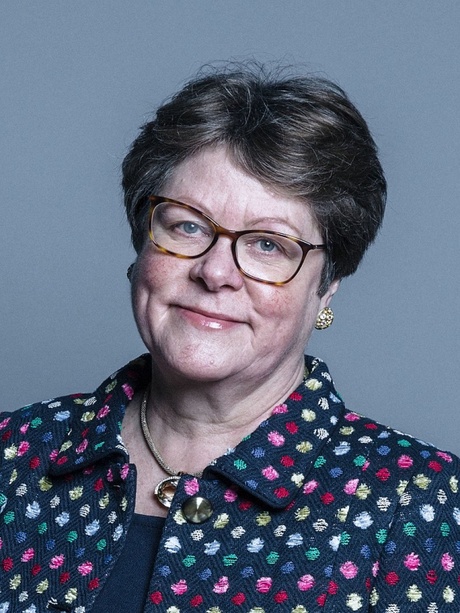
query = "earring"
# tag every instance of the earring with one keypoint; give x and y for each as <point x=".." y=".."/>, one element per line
<point x="324" y="319"/>
<point x="129" y="272"/>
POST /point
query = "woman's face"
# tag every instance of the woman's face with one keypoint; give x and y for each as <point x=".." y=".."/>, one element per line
<point x="200" y="318"/>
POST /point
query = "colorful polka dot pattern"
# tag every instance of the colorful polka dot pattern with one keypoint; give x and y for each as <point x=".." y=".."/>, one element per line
<point x="319" y="509"/>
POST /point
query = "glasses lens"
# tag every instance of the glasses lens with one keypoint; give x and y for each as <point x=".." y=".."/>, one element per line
<point x="268" y="257"/>
<point x="180" y="230"/>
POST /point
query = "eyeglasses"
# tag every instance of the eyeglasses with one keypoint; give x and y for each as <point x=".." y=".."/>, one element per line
<point x="263" y="255"/>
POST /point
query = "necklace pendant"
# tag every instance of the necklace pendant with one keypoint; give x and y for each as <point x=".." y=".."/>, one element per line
<point x="165" y="490"/>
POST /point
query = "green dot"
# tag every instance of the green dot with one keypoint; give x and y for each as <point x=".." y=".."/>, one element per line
<point x="345" y="538"/>
<point x="360" y="460"/>
<point x="240" y="464"/>
<point x="404" y="443"/>
<point x="445" y="529"/>
<point x="72" y="536"/>
<point x="381" y="536"/>
<point x="312" y="553"/>
<point x="189" y="561"/>
<point x="230" y="559"/>
<point x="320" y="461"/>
<point x="409" y="529"/>
<point x="272" y="557"/>
<point x="36" y="422"/>
<point x="42" y="528"/>
<point x="99" y="445"/>
<point x="102" y="544"/>
<point x="8" y="517"/>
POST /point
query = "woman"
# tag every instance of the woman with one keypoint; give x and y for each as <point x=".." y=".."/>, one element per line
<point x="221" y="472"/>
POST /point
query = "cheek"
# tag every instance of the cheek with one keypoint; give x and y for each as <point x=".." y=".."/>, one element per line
<point x="287" y="310"/>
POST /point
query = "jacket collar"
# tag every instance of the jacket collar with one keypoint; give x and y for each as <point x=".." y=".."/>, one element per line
<point x="94" y="420"/>
<point x="271" y="464"/>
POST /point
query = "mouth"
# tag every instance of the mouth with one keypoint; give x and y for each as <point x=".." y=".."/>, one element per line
<point x="208" y="319"/>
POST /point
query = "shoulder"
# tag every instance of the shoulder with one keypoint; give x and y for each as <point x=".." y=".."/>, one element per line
<point x="414" y="481"/>
<point x="384" y="445"/>
<point x="49" y="421"/>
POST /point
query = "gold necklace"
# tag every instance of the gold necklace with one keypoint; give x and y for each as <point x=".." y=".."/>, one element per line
<point x="164" y="490"/>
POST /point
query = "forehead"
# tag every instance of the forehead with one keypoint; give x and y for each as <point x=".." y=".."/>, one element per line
<point x="212" y="182"/>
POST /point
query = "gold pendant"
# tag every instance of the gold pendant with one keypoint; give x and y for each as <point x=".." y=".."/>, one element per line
<point x="166" y="489"/>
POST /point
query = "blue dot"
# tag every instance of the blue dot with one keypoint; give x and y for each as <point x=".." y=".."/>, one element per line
<point x="366" y="551"/>
<point x="383" y="450"/>
<point x="252" y="484"/>
<point x="101" y="428"/>
<point x="80" y="552"/>
<point x="51" y="544"/>
<point x="258" y="452"/>
<point x="390" y="547"/>
<point x="47" y="437"/>
<point x="328" y="571"/>
<point x="164" y="571"/>
<point x="336" y="472"/>
<point x="287" y="568"/>
<point x="248" y="571"/>
<point x="21" y="537"/>
<point x="384" y="434"/>
<point x="425" y="454"/>
<point x="205" y="574"/>
<point x="429" y="545"/>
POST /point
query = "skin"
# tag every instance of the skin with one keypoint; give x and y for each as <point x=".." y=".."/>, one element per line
<point x="226" y="349"/>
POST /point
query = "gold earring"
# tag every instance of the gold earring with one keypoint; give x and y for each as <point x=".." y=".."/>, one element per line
<point x="324" y="319"/>
<point x="129" y="272"/>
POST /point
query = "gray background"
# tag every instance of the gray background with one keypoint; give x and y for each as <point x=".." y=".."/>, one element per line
<point x="78" y="78"/>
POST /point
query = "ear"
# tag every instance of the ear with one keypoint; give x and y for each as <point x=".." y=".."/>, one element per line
<point x="326" y="299"/>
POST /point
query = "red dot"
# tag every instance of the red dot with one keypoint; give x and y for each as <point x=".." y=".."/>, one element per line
<point x="327" y="498"/>
<point x="7" y="564"/>
<point x="392" y="578"/>
<point x="292" y="427"/>
<point x="156" y="597"/>
<point x="94" y="583"/>
<point x="436" y="466"/>
<point x="383" y="474"/>
<point x="64" y="577"/>
<point x="371" y="426"/>
<point x="281" y="492"/>
<point x="431" y="577"/>
<point x="196" y="600"/>
<point x="34" y="462"/>
<point x="238" y="598"/>
<point x="280" y="597"/>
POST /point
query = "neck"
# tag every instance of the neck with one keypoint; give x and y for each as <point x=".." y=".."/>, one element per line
<point x="192" y="423"/>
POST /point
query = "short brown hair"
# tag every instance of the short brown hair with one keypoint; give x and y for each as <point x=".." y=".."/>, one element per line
<point x="300" y="135"/>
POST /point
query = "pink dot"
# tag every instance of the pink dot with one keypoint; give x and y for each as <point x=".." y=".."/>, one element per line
<point x="306" y="582"/>
<point x="263" y="585"/>
<point x="349" y="570"/>
<point x="412" y="561"/>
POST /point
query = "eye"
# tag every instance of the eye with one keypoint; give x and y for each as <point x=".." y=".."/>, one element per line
<point x="267" y="245"/>
<point x="189" y="227"/>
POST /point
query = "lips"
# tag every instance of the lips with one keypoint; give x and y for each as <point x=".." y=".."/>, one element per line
<point x="208" y="319"/>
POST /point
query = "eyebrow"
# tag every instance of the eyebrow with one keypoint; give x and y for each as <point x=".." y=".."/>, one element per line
<point x="258" y="223"/>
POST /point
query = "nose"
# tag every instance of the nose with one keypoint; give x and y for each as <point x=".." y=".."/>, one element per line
<point x="217" y="268"/>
